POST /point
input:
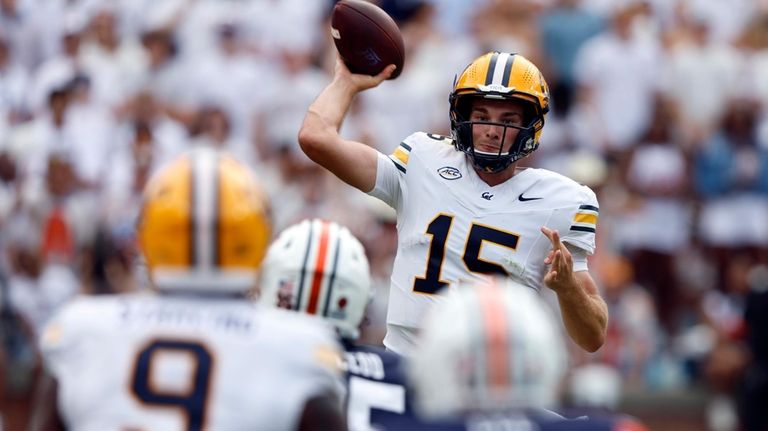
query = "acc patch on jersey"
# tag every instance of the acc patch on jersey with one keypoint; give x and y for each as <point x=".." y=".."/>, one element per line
<point x="449" y="173"/>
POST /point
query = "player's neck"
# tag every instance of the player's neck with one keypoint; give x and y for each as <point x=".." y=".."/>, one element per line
<point x="494" y="179"/>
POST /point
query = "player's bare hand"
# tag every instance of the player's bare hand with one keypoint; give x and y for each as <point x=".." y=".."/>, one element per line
<point x="360" y="82"/>
<point x="560" y="262"/>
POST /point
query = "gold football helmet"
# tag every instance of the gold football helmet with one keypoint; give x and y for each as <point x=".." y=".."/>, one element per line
<point x="204" y="224"/>
<point x="500" y="76"/>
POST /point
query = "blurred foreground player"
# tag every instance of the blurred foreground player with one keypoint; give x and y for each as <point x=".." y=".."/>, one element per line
<point x="491" y="357"/>
<point x="199" y="354"/>
<point x="318" y="267"/>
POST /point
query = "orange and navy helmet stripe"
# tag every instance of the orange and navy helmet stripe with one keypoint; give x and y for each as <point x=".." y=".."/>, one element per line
<point x="317" y="279"/>
<point x="318" y="274"/>
<point x="332" y="278"/>
<point x="497" y="336"/>
<point x="304" y="268"/>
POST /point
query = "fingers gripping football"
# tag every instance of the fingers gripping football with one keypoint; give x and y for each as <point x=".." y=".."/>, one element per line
<point x="361" y="82"/>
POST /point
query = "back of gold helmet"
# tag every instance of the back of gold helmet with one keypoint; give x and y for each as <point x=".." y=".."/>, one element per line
<point x="499" y="76"/>
<point x="204" y="224"/>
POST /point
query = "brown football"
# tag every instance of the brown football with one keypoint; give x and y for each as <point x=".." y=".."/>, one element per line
<point x="367" y="39"/>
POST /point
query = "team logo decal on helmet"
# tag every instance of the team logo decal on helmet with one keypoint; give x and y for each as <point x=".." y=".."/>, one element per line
<point x="499" y="76"/>
<point x="285" y="294"/>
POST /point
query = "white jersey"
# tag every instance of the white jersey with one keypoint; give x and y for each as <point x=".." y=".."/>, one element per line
<point x="452" y="226"/>
<point x="172" y="363"/>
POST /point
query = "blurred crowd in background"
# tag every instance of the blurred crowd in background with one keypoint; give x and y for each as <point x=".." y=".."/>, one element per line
<point x="661" y="106"/>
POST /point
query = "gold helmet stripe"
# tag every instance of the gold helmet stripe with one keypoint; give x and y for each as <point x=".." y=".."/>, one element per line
<point x="205" y="209"/>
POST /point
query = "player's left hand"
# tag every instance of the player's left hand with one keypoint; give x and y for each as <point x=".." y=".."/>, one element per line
<point x="560" y="272"/>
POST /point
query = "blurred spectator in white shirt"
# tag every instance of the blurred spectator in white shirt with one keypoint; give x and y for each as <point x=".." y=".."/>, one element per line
<point x="14" y="85"/>
<point x="754" y="44"/>
<point x="617" y="74"/>
<point x="92" y="127"/>
<point x="656" y="177"/>
<point x="131" y="166"/>
<point x="58" y="70"/>
<point x="726" y="18"/>
<point x="298" y="82"/>
<point x="168" y="77"/>
<point x="731" y="176"/>
<point x="37" y="287"/>
<point x="274" y="26"/>
<point x="564" y="30"/>
<point x="19" y="25"/>
<point x="169" y="134"/>
<point x="698" y="61"/>
<point x="237" y="81"/>
<point x="31" y="142"/>
<point x="213" y="127"/>
<point x="118" y="62"/>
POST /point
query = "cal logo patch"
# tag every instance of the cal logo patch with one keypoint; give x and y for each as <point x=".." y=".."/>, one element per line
<point x="449" y="173"/>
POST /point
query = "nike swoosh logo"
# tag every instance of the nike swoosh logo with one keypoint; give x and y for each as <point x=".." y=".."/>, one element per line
<point x="522" y="198"/>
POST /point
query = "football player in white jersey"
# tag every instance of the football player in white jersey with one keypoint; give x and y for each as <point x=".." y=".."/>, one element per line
<point x="319" y="268"/>
<point x="463" y="207"/>
<point x="196" y="354"/>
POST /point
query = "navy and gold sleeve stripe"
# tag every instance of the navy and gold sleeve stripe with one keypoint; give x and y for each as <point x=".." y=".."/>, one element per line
<point x="400" y="156"/>
<point x="585" y="219"/>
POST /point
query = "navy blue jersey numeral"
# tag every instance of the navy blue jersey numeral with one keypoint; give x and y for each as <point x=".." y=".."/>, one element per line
<point x="477" y="235"/>
<point x="431" y="283"/>
<point x="194" y="401"/>
<point x="439" y="228"/>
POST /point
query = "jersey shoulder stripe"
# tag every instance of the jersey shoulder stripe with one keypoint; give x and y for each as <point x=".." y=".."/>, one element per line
<point x="585" y="219"/>
<point x="400" y="156"/>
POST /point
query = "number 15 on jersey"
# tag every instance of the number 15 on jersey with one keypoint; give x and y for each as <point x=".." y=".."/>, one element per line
<point x="439" y="229"/>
